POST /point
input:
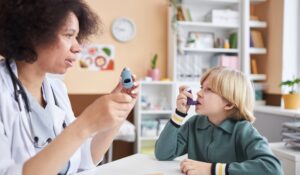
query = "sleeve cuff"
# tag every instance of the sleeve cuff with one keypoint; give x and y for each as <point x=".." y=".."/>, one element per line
<point x="177" y="118"/>
<point x="86" y="156"/>
<point x="180" y="113"/>
<point x="7" y="168"/>
<point x="219" y="169"/>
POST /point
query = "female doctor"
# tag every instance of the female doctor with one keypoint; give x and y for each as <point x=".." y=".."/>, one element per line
<point x="38" y="131"/>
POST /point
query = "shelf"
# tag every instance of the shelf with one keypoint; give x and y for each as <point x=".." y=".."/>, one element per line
<point x="257" y="24"/>
<point x="210" y="50"/>
<point x="260" y="102"/>
<point x="257" y="51"/>
<point x="206" y="24"/>
<point x="192" y="83"/>
<point x="258" y="77"/>
<point x="145" y="138"/>
<point x="156" y="82"/>
<point x="155" y="112"/>
<point x="257" y="1"/>
<point x="213" y="1"/>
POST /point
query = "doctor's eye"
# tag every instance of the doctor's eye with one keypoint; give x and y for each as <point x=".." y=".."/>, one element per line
<point x="69" y="35"/>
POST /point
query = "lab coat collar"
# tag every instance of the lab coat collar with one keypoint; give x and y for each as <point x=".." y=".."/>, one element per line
<point x="5" y="74"/>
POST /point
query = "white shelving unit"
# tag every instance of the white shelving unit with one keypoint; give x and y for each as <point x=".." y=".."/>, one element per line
<point x="186" y="64"/>
<point x="257" y="1"/>
<point x="257" y="51"/>
<point x="206" y="25"/>
<point x="257" y="54"/>
<point x="248" y="51"/>
<point x="154" y="105"/>
<point x="257" y="24"/>
<point x="210" y="50"/>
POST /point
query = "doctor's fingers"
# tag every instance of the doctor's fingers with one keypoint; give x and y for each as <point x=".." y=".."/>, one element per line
<point x="118" y="87"/>
<point x="120" y="97"/>
<point x="133" y="92"/>
<point x="122" y="106"/>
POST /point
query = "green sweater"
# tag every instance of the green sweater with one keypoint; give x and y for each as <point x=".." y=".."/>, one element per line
<point x="236" y="143"/>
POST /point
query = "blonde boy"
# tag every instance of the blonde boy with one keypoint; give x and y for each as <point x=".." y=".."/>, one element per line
<point x="220" y="140"/>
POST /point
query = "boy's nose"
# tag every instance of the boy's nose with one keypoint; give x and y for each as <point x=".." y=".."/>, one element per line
<point x="200" y="93"/>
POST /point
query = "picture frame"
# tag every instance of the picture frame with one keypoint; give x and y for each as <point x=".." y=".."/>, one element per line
<point x="198" y="39"/>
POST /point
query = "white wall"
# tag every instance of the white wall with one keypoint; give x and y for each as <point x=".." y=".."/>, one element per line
<point x="290" y="63"/>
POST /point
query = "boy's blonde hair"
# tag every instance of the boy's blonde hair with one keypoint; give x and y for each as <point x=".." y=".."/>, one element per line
<point x="235" y="87"/>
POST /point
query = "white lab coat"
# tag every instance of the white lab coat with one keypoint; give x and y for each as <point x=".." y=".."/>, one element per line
<point x="15" y="145"/>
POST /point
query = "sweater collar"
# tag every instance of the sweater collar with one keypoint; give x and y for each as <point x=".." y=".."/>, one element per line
<point x="227" y="125"/>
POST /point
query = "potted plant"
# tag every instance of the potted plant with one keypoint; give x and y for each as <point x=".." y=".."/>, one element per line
<point x="292" y="99"/>
<point x="154" y="72"/>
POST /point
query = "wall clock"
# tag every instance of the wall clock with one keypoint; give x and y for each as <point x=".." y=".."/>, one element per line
<point x="123" y="29"/>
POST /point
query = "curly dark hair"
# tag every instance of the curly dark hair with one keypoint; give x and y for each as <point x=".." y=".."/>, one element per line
<point x="25" y="24"/>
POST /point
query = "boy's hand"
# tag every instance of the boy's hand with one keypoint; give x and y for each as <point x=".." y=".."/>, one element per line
<point x="181" y="102"/>
<point x="192" y="167"/>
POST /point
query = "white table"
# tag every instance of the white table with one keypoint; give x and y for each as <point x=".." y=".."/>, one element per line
<point x="138" y="164"/>
<point x="289" y="158"/>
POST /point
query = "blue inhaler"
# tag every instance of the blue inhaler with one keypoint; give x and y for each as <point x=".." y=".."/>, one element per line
<point x="190" y="101"/>
<point x="127" y="80"/>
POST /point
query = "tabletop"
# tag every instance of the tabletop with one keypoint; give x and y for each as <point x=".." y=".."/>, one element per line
<point x="138" y="164"/>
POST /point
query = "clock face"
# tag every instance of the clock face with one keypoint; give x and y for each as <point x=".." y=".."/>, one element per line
<point x="123" y="29"/>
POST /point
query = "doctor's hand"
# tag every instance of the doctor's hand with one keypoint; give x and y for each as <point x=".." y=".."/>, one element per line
<point x="107" y="112"/>
<point x="192" y="167"/>
<point x="181" y="102"/>
<point x="133" y="92"/>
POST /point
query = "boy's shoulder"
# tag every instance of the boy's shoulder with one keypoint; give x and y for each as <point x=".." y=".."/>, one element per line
<point x="245" y="127"/>
<point x="243" y="124"/>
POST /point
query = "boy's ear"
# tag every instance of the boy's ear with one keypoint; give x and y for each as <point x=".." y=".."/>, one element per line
<point x="229" y="106"/>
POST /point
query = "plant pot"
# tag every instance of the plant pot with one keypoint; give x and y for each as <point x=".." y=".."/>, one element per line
<point x="291" y="101"/>
<point x="154" y="74"/>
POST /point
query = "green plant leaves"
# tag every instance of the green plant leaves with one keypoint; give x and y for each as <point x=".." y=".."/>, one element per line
<point x="153" y="61"/>
<point x="291" y="84"/>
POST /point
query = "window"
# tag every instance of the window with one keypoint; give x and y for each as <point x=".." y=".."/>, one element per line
<point x="291" y="42"/>
<point x="298" y="29"/>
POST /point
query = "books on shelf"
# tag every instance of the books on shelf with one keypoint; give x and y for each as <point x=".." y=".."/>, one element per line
<point x="259" y="91"/>
<point x="253" y="66"/>
<point x="184" y="13"/>
<point x="187" y="13"/>
<point x="179" y="15"/>
<point x="153" y="127"/>
<point x="231" y="61"/>
<point x="223" y="16"/>
<point x="256" y="39"/>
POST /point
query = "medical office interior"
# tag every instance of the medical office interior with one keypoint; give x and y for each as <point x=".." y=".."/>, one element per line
<point x="168" y="43"/>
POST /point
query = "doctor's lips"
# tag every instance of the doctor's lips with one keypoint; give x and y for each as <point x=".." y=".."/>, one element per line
<point x="69" y="61"/>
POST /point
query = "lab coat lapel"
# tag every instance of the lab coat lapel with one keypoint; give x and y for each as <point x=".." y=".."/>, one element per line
<point x="58" y="115"/>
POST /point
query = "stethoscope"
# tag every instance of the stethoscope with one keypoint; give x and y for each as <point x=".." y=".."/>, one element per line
<point x="19" y="94"/>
